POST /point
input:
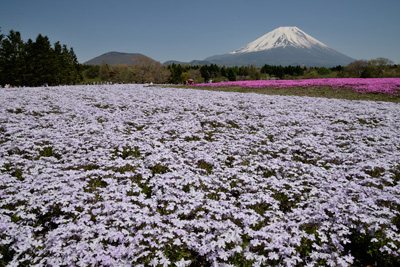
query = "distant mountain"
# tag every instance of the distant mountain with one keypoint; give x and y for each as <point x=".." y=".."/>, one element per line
<point x="283" y="46"/>
<point x="192" y="63"/>
<point x="114" y="58"/>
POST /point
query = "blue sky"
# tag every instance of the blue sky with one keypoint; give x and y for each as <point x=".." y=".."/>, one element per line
<point x="185" y="30"/>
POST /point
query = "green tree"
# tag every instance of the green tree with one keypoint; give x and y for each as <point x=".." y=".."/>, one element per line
<point x="91" y="72"/>
<point x="12" y="58"/>
<point x="205" y="73"/>
<point x="176" y="72"/>
<point x="231" y="74"/>
<point x="214" y="71"/>
<point x="185" y="76"/>
<point x="34" y="63"/>
<point x="146" y="69"/>
<point x="122" y="73"/>
<point x="71" y="66"/>
<point x="195" y="74"/>
<point x="42" y="60"/>
<point x="105" y="72"/>
<point x="243" y="71"/>
<point x="254" y="73"/>
<point x="1" y="58"/>
<point x="356" y="68"/>
<point x="57" y="70"/>
<point x="224" y="72"/>
<point x="160" y="73"/>
<point x="1" y="36"/>
<point x="324" y="71"/>
<point x="379" y="66"/>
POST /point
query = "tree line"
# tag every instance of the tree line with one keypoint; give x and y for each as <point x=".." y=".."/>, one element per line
<point x="36" y="63"/>
<point x="149" y="71"/>
<point x="374" y="68"/>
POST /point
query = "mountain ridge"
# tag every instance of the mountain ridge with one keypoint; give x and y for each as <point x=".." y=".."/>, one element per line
<point x="283" y="46"/>
<point x="113" y="58"/>
<point x="281" y="37"/>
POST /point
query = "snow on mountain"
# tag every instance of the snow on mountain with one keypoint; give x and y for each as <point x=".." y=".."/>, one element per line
<point x="283" y="46"/>
<point x="281" y="37"/>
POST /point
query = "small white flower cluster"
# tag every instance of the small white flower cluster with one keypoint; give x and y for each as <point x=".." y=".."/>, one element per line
<point x="130" y="175"/>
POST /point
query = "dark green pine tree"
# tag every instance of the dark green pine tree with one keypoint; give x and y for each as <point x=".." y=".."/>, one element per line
<point x="205" y="73"/>
<point x="176" y="73"/>
<point x="42" y="61"/>
<point x="1" y="58"/>
<point x="12" y="57"/>
<point x="224" y="72"/>
<point x="231" y="75"/>
<point x="57" y="63"/>
<point x="28" y="76"/>
<point x="214" y="71"/>
<point x="75" y="74"/>
<point x="36" y="63"/>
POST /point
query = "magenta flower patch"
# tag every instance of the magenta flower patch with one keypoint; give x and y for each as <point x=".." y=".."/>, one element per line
<point x="389" y="86"/>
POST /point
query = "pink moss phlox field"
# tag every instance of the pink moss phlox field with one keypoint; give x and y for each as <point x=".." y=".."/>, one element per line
<point x="128" y="175"/>
<point x="389" y="86"/>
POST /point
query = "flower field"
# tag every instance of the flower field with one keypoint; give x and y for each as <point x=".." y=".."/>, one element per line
<point x="390" y="86"/>
<point x="127" y="175"/>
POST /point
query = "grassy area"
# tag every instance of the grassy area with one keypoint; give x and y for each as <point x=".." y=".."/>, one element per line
<point x="325" y="91"/>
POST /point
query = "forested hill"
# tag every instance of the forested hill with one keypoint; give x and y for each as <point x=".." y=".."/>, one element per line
<point x="114" y="58"/>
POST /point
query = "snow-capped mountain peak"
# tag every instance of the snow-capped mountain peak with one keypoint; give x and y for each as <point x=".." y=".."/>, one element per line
<point x="281" y="37"/>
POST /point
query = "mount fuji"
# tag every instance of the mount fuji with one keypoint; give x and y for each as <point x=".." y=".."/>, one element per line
<point x="283" y="46"/>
